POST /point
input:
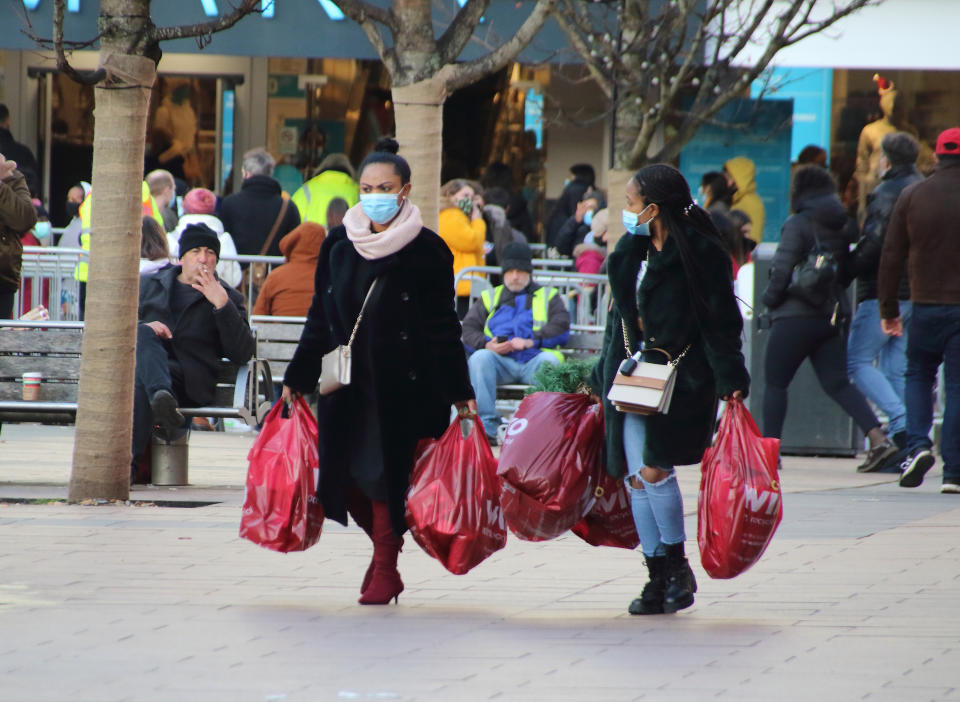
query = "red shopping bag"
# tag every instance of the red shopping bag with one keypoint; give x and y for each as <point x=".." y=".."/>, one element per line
<point x="740" y="503"/>
<point x="280" y="510"/>
<point x="453" y="504"/>
<point x="549" y="463"/>
<point x="610" y="521"/>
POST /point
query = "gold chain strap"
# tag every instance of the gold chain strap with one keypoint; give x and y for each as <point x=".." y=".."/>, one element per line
<point x="672" y="362"/>
<point x="360" y="316"/>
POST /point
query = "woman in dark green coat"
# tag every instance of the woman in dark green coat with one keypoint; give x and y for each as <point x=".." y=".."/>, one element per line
<point x="671" y="280"/>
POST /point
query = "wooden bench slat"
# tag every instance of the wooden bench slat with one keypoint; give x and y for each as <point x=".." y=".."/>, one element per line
<point x="278" y="331"/>
<point x="52" y="367"/>
<point x="49" y="392"/>
<point x="276" y="351"/>
<point x="40" y="340"/>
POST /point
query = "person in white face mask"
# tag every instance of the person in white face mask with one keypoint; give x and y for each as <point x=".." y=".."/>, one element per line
<point x="407" y="363"/>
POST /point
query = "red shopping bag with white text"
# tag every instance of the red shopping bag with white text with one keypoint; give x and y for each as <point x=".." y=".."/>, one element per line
<point x="549" y="463"/>
<point x="740" y="503"/>
<point x="280" y="510"/>
<point x="610" y="521"/>
<point x="453" y="504"/>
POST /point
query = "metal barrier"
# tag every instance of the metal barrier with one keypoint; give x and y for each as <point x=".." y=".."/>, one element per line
<point x="587" y="294"/>
<point x="48" y="272"/>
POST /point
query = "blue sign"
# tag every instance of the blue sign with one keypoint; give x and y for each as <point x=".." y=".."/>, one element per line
<point x="812" y="92"/>
<point x="226" y="140"/>
<point x="533" y="114"/>
<point x="761" y="132"/>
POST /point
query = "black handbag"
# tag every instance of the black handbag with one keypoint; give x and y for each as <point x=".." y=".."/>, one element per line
<point x="814" y="279"/>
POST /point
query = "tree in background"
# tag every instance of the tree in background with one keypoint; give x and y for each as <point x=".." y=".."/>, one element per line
<point x="129" y="56"/>
<point x="423" y="72"/>
<point x="669" y="67"/>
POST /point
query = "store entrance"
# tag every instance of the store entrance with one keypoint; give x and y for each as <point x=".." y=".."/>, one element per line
<point x="189" y="133"/>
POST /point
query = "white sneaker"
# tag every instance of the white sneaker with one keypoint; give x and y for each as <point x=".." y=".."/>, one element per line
<point x="951" y="487"/>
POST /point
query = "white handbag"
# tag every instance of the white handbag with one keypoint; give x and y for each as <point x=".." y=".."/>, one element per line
<point x="648" y="387"/>
<point x="335" y="367"/>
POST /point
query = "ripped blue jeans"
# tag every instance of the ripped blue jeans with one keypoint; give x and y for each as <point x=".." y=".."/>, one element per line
<point x="658" y="507"/>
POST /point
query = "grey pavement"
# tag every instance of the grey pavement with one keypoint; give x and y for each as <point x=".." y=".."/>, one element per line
<point x="856" y="599"/>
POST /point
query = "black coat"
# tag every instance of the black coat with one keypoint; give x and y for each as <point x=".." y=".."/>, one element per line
<point x="865" y="258"/>
<point x="564" y="208"/>
<point x="26" y="163"/>
<point x="413" y="355"/>
<point x="817" y="211"/>
<point x="249" y="214"/>
<point x="712" y="368"/>
<point x="201" y="336"/>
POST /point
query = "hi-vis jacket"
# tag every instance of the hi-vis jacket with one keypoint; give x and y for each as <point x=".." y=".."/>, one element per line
<point x="535" y="313"/>
<point x="149" y="208"/>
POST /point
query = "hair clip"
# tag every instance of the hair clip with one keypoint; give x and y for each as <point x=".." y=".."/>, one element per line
<point x="686" y="210"/>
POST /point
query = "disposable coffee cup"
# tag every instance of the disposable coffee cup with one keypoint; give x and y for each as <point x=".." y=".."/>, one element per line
<point x="31" y="386"/>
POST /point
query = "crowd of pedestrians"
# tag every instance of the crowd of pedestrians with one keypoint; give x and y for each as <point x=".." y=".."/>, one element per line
<point x="361" y="266"/>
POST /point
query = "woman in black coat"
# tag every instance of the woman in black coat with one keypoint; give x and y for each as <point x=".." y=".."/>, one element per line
<point x="408" y="364"/>
<point x="672" y="287"/>
<point x="801" y="329"/>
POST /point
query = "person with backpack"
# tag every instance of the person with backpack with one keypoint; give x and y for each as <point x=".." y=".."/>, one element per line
<point x="809" y="310"/>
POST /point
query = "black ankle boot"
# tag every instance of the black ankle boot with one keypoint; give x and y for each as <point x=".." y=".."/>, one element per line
<point x="651" y="599"/>
<point x="680" y="581"/>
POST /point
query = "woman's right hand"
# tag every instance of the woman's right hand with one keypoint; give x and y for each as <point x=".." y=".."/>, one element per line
<point x="289" y="395"/>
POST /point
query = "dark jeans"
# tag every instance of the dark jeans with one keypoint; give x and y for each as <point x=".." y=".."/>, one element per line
<point x="6" y="305"/>
<point x="153" y="373"/>
<point x="794" y="339"/>
<point x="934" y="338"/>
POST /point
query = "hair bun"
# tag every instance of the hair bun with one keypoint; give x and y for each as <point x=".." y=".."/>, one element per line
<point x="387" y="145"/>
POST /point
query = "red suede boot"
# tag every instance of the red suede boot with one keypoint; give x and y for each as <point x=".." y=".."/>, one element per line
<point x="385" y="583"/>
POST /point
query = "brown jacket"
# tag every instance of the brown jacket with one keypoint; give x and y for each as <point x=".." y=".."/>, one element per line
<point x="288" y="290"/>
<point x="17" y="215"/>
<point x="924" y="230"/>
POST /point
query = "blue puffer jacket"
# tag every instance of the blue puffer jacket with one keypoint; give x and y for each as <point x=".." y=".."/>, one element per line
<point x="514" y="318"/>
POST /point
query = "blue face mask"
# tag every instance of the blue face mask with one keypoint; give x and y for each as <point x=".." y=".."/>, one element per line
<point x="633" y="226"/>
<point x="588" y="217"/>
<point x="41" y="230"/>
<point x="379" y="207"/>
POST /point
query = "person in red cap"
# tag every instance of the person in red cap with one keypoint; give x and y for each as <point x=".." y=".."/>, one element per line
<point x="924" y="230"/>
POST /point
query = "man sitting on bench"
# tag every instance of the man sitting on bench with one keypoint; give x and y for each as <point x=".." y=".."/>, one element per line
<point x="511" y="331"/>
<point x="189" y="320"/>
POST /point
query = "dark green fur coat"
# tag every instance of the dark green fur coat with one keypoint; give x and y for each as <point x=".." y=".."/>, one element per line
<point x="712" y="368"/>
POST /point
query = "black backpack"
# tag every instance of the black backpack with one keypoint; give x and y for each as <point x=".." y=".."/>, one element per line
<point x="815" y="279"/>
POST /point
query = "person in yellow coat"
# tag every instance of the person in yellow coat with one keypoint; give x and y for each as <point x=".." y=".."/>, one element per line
<point x="741" y="173"/>
<point x="464" y="231"/>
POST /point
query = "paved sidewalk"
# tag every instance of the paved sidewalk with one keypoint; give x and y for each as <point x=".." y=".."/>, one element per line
<point x="856" y="599"/>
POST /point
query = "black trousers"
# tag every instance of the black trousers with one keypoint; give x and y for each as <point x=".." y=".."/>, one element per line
<point x="791" y="341"/>
<point x="153" y="372"/>
<point x="6" y="305"/>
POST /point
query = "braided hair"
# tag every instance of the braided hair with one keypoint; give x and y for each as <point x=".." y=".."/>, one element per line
<point x="667" y="188"/>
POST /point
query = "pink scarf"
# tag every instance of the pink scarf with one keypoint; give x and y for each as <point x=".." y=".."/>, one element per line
<point x="373" y="245"/>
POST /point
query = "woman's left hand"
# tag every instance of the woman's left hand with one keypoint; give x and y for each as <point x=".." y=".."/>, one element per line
<point x="466" y="408"/>
<point x="737" y="395"/>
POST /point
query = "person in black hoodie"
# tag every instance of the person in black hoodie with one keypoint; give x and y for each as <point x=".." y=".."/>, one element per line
<point x="884" y="383"/>
<point x="250" y="214"/>
<point x="582" y="179"/>
<point x="802" y="330"/>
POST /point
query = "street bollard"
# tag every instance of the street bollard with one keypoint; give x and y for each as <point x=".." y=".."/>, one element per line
<point x="170" y="461"/>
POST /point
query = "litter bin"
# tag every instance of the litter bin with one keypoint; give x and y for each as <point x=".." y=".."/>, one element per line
<point x="169" y="460"/>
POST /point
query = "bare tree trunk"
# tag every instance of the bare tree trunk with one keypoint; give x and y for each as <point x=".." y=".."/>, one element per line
<point x="101" y="452"/>
<point x="418" y="111"/>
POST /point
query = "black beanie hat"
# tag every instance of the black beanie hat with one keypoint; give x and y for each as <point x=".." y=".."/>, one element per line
<point x="517" y="257"/>
<point x="196" y="235"/>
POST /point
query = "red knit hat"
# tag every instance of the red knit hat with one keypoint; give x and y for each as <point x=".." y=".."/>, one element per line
<point x="199" y="201"/>
<point x="948" y="143"/>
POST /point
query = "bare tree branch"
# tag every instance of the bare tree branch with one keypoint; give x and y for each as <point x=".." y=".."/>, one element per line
<point x="452" y="42"/>
<point x="368" y="16"/>
<point x="205" y="30"/>
<point x="466" y="73"/>
<point x="62" y="63"/>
